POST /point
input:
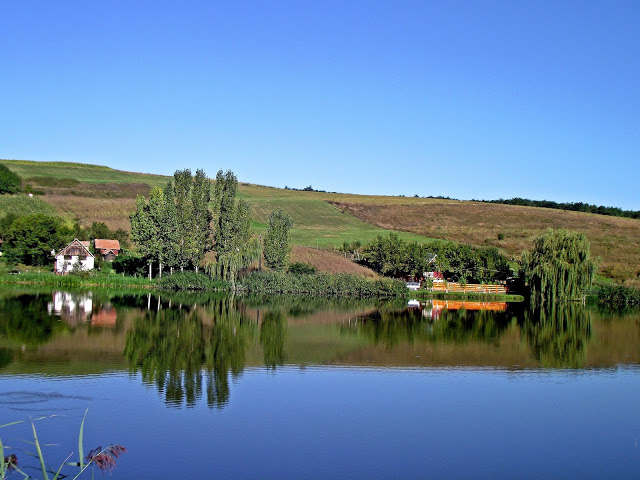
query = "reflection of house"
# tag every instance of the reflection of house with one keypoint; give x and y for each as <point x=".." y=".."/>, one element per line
<point x="106" y="317"/>
<point x="73" y="308"/>
<point x="74" y="253"/>
<point x="109" y="249"/>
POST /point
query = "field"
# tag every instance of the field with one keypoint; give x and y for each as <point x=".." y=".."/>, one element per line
<point x="326" y="220"/>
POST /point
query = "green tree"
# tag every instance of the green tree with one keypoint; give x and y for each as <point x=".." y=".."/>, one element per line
<point x="202" y="217"/>
<point x="32" y="238"/>
<point x="9" y="181"/>
<point x="182" y="185"/>
<point x="559" y="267"/>
<point x="277" y="244"/>
<point x="144" y="231"/>
<point x="225" y="209"/>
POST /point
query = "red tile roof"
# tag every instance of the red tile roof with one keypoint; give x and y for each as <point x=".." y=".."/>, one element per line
<point x="102" y="244"/>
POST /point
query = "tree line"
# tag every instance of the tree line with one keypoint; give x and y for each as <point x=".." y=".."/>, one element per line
<point x="394" y="257"/>
<point x="571" y="206"/>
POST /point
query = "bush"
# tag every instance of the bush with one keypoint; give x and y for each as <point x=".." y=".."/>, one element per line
<point x="619" y="296"/>
<point x="301" y="268"/>
<point x="191" y="281"/>
<point x="130" y="265"/>
<point x="9" y="181"/>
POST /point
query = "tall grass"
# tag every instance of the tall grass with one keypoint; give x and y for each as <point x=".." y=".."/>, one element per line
<point x="24" y="205"/>
<point x="342" y="284"/>
<point x="102" y="458"/>
<point x="75" y="281"/>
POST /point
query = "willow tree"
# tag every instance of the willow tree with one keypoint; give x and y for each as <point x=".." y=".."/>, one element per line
<point x="559" y="267"/>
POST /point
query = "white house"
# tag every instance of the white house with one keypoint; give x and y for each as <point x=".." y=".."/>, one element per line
<point x="72" y="254"/>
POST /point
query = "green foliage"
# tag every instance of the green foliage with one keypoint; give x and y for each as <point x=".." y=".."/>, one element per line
<point x="20" y="205"/>
<point x="277" y="244"/>
<point x="559" y="267"/>
<point x="395" y="257"/>
<point x="233" y="221"/>
<point x="229" y="264"/>
<point x="571" y="206"/>
<point x="192" y="281"/>
<point x="301" y="268"/>
<point x="132" y="265"/>
<point x="31" y="238"/>
<point x="322" y="284"/>
<point x="619" y="296"/>
<point x="9" y="181"/>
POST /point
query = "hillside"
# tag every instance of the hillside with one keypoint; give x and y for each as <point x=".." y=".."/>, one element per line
<point x="324" y="220"/>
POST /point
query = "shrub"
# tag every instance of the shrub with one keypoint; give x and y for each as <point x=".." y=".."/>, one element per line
<point x="191" y="281"/>
<point x="619" y="296"/>
<point x="9" y="181"/>
<point x="301" y="268"/>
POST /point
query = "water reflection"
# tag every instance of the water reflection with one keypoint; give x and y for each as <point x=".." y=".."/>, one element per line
<point x="188" y="352"/>
<point x="558" y="335"/>
<point x="191" y="347"/>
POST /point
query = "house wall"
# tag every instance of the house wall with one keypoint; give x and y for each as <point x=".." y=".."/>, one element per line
<point x="65" y="266"/>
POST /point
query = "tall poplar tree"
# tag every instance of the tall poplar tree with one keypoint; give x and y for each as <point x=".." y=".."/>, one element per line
<point x="182" y="184"/>
<point x="277" y="244"/>
<point x="143" y="231"/>
<point x="202" y="217"/>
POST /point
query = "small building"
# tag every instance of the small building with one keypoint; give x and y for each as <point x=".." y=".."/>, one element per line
<point x="72" y="254"/>
<point x="109" y="249"/>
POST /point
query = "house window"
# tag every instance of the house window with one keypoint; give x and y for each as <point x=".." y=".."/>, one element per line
<point x="67" y="257"/>
<point x="82" y="257"/>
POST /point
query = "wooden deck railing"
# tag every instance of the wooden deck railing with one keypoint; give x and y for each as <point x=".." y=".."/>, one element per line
<point x="451" y="287"/>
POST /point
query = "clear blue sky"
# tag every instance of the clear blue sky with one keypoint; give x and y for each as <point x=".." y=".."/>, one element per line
<point x="468" y="99"/>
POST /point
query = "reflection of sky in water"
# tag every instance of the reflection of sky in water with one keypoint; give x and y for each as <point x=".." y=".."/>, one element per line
<point x="365" y="423"/>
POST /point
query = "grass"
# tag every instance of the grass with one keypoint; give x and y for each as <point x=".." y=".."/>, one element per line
<point x="75" y="281"/>
<point x="24" y="205"/>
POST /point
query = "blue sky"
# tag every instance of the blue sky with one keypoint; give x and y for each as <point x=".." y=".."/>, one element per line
<point x="468" y="99"/>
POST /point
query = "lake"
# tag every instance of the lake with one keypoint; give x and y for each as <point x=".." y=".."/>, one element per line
<point x="208" y="386"/>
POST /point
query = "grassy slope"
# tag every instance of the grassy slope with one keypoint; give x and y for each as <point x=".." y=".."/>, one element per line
<point x="327" y="220"/>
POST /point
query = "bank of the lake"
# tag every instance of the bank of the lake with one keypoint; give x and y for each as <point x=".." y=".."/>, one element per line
<point x="342" y="285"/>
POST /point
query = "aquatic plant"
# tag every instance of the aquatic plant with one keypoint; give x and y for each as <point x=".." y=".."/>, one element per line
<point x="102" y="458"/>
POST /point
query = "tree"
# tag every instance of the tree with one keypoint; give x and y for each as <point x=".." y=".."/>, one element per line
<point x="201" y="221"/>
<point x="225" y="209"/>
<point x="143" y="231"/>
<point x="277" y="244"/>
<point x="9" y="181"/>
<point x="235" y="249"/>
<point x="182" y="184"/>
<point x="559" y="267"/>
<point x="32" y="238"/>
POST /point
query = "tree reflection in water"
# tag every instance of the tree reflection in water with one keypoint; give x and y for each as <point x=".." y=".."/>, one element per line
<point x="392" y="328"/>
<point x="273" y="332"/>
<point x="558" y="335"/>
<point x="180" y="350"/>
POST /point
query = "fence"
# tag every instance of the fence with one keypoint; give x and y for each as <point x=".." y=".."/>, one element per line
<point x="451" y="287"/>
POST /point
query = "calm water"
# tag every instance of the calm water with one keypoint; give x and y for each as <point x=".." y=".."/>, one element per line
<point x="214" y="387"/>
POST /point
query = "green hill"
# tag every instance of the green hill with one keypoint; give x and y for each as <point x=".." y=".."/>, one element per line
<point x="98" y="193"/>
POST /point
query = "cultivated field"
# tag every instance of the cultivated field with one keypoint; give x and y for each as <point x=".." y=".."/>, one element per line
<point x="326" y="220"/>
